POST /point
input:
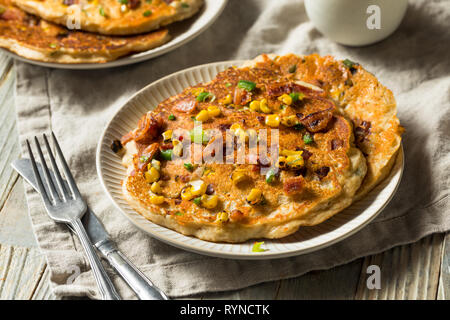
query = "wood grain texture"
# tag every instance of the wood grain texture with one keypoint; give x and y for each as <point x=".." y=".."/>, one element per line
<point x="407" y="272"/>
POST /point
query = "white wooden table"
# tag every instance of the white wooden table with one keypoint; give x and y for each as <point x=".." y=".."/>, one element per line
<point x="416" y="271"/>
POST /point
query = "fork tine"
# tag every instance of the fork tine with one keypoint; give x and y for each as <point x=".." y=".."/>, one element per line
<point x="50" y="184"/>
<point x="64" y="192"/>
<point x="37" y="176"/>
<point x="67" y="173"/>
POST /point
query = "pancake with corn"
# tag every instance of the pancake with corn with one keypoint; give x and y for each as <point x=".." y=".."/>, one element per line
<point x="113" y="17"/>
<point x="360" y="97"/>
<point x="36" y="39"/>
<point x="310" y="168"/>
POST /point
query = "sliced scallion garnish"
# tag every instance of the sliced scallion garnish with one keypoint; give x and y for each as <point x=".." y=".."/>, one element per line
<point x="247" y="85"/>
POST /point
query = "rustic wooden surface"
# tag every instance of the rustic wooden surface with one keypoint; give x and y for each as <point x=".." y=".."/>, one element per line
<point x="416" y="271"/>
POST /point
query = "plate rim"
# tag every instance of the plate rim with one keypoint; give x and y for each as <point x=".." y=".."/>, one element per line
<point x="399" y="161"/>
<point x="128" y="60"/>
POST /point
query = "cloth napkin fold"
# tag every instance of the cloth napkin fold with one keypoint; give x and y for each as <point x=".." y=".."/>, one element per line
<point x="76" y="105"/>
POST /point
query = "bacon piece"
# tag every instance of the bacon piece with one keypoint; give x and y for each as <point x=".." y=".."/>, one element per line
<point x="293" y="185"/>
<point x="306" y="154"/>
<point x="127" y="138"/>
<point x="336" y="143"/>
<point x="278" y="89"/>
<point x="241" y="96"/>
<point x="166" y="146"/>
<point x="13" y="14"/>
<point x="317" y="121"/>
<point x="322" y="172"/>
<point x="362" y="131"/>
<point x="70" y="2"/>
<point x="148" y="128"/>
<point x="185" y="178"/>
<point x="147" y="155"/>
<point x="186" y="105"/>
<point x="133" y="4"/>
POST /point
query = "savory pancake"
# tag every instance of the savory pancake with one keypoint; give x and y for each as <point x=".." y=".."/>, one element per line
<point x="359" y="96"/>
<point x="309" y="173"/>
<point x="113" y="17"/>
<point x="36" y="39"/>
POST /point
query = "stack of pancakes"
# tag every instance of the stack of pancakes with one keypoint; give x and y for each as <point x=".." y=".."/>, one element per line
<point x="88" y="31"/>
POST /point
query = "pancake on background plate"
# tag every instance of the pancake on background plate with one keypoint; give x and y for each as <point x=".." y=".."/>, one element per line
<point x="37" y="39"/>
<point x="113" y="17"/>
<point x="338" y="136"/>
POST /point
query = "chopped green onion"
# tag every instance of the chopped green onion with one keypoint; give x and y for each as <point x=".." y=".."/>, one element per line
<point x="247" y="85"/>
<point x="178" y="213"/>
<point x="348" y="63"/>
<point x="171" y="117"/>
<point x="193" y="117"/>
<point x="299" y="126"/>
<point x="147" y="13"/>
<point x="123" y="1"/>
<point x="307" y="138"/>
<point x="52" y="45"/>
<point x="270" y="176"/>
<point x="166" y="154"/>
<point x="283" y="107"/>
<point x="184" y="5"/>
<point x="102" y="12"/>
<point x="199" y="136"/>
<point x="188" y="166"/>
<point x="293" y="68"/>
<point x="143" y="159"/>
<point x="148" y="1"/>
<point x="257" y="247"/>
<point x="197" y="200"/>
<point x="203" y="96"/>
<point x="296" y="96"/>
<point x="228" y="84"/>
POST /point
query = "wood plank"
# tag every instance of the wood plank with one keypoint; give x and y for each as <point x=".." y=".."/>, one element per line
<point x="6" y="64"/>
<point x="15" y="225"/>
<point x="44" y="290"/>
<point x="336" y="283"/>
<point x="407" y="272"/>
<point x="263" y="291"/>
<point x="21" y="272"/>
<point x="444" y="278"/>
<point x="9" y="139"/>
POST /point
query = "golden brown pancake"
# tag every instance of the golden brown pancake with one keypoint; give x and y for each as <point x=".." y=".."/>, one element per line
<point x="318" y="167"/>
<point x="113" y="17"/>
<point x="360" y="97"/>
<point x="36" y="39"/>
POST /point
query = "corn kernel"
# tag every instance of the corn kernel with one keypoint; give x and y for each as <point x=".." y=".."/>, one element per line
<point x="197" y="91"/>
<point x="209" y="202"/>
<point x="273" y="120"/>
<point x="254" y="196"/>
<point x="287" y="152"/>
<point x="156" y="199"/>
<point x="198" y="187"/>
<point x="227" y="100"/>
<point x="152" y="175"/>
<point x="295" y="161"/>
<point x="214" y="111"/>
<point x="202" y="116"/>
<point x="155" y="164"/>
<point x="264" y="107"/>
<point x="156" y="187"/>
<point x="286" y="99"/>
<point x="167" y="135"/>
<point x="186" y="194"/>
<point x="254" y="105"/>
<point x="222" y="217"/>
<point x="289" y="121"/>
<point x="238" y="176"/>
<point x="177" y="148"/>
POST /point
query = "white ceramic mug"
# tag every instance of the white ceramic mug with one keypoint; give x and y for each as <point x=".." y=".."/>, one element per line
<point x="356" y="22"/>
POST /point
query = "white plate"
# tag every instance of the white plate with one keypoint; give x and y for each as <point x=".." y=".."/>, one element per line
<point x="307" y="239"/>
<point x="181" y="32"/>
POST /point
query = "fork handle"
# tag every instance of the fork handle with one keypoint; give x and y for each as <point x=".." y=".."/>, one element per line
<point x="107" y="290"/>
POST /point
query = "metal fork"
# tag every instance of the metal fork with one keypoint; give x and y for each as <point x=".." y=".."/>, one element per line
<point x="67" y="206"/>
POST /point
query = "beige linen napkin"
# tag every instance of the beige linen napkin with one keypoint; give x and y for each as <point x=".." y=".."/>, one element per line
<point x="76" y="105"/>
